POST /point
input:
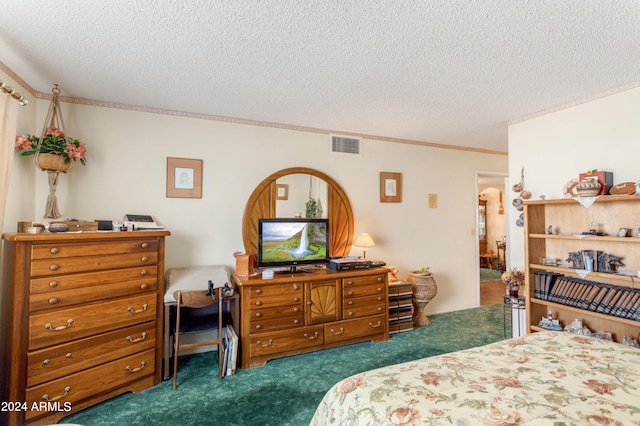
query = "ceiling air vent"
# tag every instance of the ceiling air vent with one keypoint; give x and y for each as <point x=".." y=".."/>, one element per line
<point x="346" y="145"/>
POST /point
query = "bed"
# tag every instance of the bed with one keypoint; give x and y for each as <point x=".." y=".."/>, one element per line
<point x="539" y="379"/>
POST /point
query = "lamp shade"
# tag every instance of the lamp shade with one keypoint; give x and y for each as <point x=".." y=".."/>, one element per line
<point x="364" y="240"/>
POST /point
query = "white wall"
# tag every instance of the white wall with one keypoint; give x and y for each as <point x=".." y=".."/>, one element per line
<point x="126" y="173"/>
<point x="602" y="134"/>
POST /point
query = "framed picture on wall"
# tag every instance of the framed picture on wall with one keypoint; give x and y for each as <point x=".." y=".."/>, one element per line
<point x="184" y="178"/>
<point x="282" y="191"/>
<point x="390" y="187"/>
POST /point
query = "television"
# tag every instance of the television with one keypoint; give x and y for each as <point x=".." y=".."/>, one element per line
<point x="292" y="242"/>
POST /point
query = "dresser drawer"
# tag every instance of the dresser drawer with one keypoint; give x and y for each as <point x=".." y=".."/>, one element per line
<point x="48" y="267"/>
<point x="363" y="281"/>
<point x="353" y="329"/>
<point x="85" y="384"/>
<point x="286" y="340"/>
<point x="53" y="250"/>
<point x="363" y="306"/>
<point x="364" y="290"/>
<point x="58" y="298"/>
<point x="63" y="325"/>
<point x="62" y="360"/>
<point x="90" y="279"/>
<point x="277" y="318"/>
<point x="276" y="295"/>
<point x="275" y="290"/>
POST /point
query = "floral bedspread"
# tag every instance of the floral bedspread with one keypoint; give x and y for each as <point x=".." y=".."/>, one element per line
<point x="545" y="378"/>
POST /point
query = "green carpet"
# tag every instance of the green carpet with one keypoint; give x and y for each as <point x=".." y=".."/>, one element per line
<point x="285" y="391"/>
<point x="489" y="274"/>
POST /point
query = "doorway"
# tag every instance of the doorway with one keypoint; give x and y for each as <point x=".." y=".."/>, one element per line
<point x="491" y="235"/>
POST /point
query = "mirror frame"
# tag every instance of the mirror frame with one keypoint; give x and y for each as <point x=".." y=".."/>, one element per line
<point x="262" y="204"/>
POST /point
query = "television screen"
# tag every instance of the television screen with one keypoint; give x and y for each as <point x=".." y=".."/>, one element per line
<point x="292" y="242"/>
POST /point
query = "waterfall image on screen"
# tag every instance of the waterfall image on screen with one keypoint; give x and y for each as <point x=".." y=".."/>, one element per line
<point x="293" y="241"/>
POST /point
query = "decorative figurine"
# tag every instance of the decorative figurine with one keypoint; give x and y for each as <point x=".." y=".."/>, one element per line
<point x="575" y="257"/>
<point x="608" y="263"/>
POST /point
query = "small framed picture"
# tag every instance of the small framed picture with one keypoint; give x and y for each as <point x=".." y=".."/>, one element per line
<point x="622" y="232"/>
<point x="282" y="191"/>
<point x="184" y="178"/>
<point x="390" y="187"/>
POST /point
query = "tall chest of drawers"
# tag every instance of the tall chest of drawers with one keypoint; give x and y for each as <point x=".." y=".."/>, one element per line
<point x="297" y="313"/>
<point x="81" y="320"/>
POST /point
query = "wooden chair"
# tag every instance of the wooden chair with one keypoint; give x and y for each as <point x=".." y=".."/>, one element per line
<point x="197" y="299"/>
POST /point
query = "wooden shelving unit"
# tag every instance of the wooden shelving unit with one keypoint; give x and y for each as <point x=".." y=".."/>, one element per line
<point x="569" y="219"/>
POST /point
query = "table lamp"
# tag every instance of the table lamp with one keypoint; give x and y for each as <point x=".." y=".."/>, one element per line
<point x="364" y="240"/>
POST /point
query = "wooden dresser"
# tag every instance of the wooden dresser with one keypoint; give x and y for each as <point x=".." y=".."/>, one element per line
<point x="81" y="320"/>
<point x="296" y="313"/>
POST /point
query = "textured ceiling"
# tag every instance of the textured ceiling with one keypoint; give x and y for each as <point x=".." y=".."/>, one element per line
<point x="445" y="72"/>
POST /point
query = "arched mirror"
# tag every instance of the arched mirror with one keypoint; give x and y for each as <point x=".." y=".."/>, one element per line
<point x="287" y="193"/>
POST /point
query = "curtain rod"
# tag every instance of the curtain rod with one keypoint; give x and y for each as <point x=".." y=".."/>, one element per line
<point x="15" y="95"/>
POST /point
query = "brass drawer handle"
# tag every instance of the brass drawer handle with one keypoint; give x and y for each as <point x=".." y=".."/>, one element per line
<point x="296" y="299"/>
<point x="267" y="345"/>
<point x="296" y="287"/>
<point x="350" y="293"/>
<point x="350" y="302"/>
<point x="380" y="279"/>
<point x="379" y="299"/>
<point x="48" y="361"/>
<point x="258" y="303"/>
<point x="144" y="286"/>
<point x="296" y="309"/>
<point x="258" y="314"/>
<point x="336" y="333"/>
<point x="54" y="267"/>
<point x="380" y="308"/>
<point x="139" y="339"/>
<point x="379" y="289"/>
<point x="350" y="313"/>
<point x="45" y="397"/>
<point x="315" y="336"/>
<point x="54" y="250"/>
<point x="349" y="282"/>
<point x="53" y="284"/>
<point x="62" y="327"/>
<point x="296" y="321"/>
<point x="375" y="326"/>
<point x="133" y="311"/>
<point x="258" y="291"/>
<point x="144" y="245"/>
<point x="258" y="327"/>
<point x="53" y="301"/>
<point x="144" y="272"/>
<point x="135" y="370"/>
<point x="144" y="259"/>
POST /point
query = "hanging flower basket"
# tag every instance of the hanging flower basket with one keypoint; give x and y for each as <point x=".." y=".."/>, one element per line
<point x="53" y="163"/>
<point x="54" y="152"/>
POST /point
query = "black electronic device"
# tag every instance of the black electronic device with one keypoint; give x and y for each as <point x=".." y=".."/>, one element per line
<point x="348" y="263"/>
<point x="378" y="263"/>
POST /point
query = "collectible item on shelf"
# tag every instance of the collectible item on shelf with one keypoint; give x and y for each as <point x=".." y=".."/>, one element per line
<point x="624" y="188"/>
<point x="570" y="188"/>
<point x="589" y="187"/>
<point x="547" y="324"/>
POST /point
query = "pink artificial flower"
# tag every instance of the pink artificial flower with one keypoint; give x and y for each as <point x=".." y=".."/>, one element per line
<point x="77" y="152"/>
<point x="22" y="142"/>
<point x="52" y="130"/>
